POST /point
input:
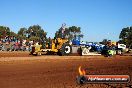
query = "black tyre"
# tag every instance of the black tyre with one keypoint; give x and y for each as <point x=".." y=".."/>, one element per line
<point x="79" y="51"/>
<point x="65" y="50"/>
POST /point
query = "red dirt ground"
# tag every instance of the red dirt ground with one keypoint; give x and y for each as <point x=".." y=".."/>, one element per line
<point x="21" y="70"/>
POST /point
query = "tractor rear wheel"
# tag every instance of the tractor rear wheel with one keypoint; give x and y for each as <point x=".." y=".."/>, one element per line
<point x="65" y="50"/>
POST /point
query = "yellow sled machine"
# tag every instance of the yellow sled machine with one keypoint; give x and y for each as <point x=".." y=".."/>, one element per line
<point x="58" y="46"/>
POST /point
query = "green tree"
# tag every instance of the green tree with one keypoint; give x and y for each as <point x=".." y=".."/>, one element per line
<point x="126" y="36"/>
<point x="75" y="29"/>
<point x="4" y="31"/>
<point x="70" y="33"/>
<point x="34" y="38"/>
<point x="13" y="34"/>
<point x="75" y="32"/>
<point x="36" y="31"/>
<point x="22" y="33"/>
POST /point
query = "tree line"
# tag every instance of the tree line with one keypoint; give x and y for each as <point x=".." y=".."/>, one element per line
<point x="32" y="33"/>
<point x="36" y="32"/>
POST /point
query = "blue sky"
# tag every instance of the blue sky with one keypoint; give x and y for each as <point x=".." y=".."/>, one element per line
<point x="98" y="19"/>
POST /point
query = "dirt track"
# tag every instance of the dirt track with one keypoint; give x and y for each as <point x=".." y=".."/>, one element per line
<point x="20" y="70"/>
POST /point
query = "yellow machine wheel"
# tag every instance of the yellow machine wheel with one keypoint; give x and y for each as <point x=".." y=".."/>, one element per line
<point x="65" y="50"/>
<point x="39" y="54"/>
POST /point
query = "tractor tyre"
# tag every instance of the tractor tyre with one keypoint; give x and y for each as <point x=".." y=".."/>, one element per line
<point x="39" y="54"/>
<point x="65" y="50"/>
<point x="119" y="52"/>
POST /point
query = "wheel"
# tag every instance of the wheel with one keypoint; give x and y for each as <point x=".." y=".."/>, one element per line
<point x="65" y="50"/>
<point x="119" y="52"/>
<point x="39" y="54"/>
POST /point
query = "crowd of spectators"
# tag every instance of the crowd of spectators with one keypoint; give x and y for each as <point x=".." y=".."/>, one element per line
<point x="14" y="44"/>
